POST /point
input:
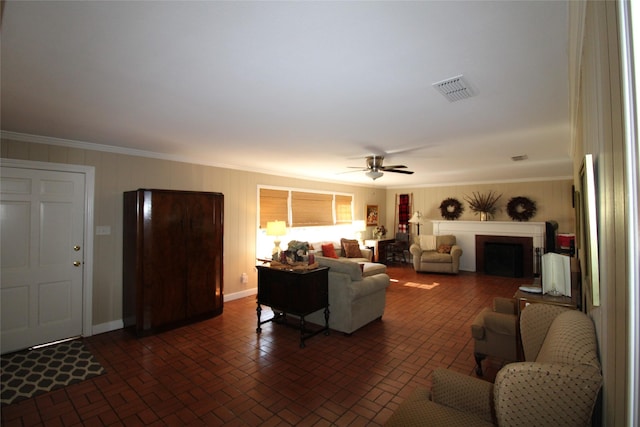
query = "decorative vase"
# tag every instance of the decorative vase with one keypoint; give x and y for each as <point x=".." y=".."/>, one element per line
<point x="484" y="216"/>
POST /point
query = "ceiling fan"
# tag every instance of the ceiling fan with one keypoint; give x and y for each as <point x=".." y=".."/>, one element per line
<point x="375" y="169"/>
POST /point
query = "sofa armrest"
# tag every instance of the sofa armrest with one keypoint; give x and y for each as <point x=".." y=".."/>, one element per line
<point x="367" y="253"/>
<point x="464" y="393"/>
<point x="531" y="393"/>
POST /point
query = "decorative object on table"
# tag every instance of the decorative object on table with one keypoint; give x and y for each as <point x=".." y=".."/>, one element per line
<point x="371" y="214"/>
<point x="294" y="265"/>
<point x="379" y="232"/>
<point x="276" y="229"/>
<point x="416" y="219"/>
<point x="483" y="204"/>
<point x="451" y="209"/>
<point x="521" y="208"/>
<point x="297" y="249"/>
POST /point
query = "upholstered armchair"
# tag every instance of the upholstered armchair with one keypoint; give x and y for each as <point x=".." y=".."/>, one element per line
<point x="436" y="254"/>
<point x="494" y="332"/>
<point x="556" y="385"/>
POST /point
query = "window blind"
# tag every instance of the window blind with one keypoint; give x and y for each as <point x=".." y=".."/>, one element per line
<point x="343" y="209"/>
<point x="273" y="206"/>
<point x="308" y="209"/>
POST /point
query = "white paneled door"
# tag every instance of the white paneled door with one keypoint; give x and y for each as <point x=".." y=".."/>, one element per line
<point x="42" y="234"/>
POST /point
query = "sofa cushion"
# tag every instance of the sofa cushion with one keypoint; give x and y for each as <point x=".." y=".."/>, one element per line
<point x="372" y="268"/>
<point x="435" y="257"/>
<point x="329" y="251"/>
<point x="444" y="249"/>
<point x="341" y="266"/>
<point x="352" y="250"/>
<point x="445" y="239"/>
<point x="343" y="245"/>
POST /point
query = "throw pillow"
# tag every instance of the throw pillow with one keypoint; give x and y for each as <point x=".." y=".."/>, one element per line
<point x="444" y="249"/>
<point x="329" y="251"/>
<point x="343" y="244"/>
<point x="352" y="250"/>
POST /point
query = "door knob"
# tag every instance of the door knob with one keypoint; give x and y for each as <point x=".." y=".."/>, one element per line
<point x="76" y="248"/>
<point x="76" y="263"/>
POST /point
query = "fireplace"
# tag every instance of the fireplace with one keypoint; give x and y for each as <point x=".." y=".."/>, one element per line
<point x="504" y="255"/>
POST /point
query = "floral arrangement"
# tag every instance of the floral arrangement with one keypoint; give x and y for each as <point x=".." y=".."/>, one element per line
<point x="298" y="248"/>
<point x="380" y="231"/>
<point x="483" y="203"/>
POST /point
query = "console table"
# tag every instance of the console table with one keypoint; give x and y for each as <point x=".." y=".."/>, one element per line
<point x="297" y="292"/>
<point x="379" y="248"/>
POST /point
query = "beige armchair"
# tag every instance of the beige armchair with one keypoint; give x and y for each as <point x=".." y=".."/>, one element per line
<point x="437" y="254"/>
<point x="494" y="332"/>
<point x="557" y="385"/>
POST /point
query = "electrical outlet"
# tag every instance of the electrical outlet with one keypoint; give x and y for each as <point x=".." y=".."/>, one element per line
<point x="244" y="278"/>
<point x="103" y="230"/>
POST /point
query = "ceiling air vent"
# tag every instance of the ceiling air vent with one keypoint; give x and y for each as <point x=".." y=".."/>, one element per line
<point x="520" y="158"/>
<point x="454" y="89"/>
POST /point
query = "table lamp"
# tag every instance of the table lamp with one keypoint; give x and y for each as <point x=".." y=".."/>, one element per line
<point x="276" y="229"/>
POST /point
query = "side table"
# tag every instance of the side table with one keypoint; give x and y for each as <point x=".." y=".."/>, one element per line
<point x="297" y="292"/>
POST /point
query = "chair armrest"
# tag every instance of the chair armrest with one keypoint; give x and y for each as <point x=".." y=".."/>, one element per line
<point x="456" y="251"/>
<point x="501" y="323"/>
<point x="529" y="393"/>
<point x="464" y="393"/>
<point x="415" y="249"/>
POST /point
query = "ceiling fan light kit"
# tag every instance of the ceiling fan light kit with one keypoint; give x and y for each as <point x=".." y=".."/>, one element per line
<point x="374" y="174"/>
<point x="375" y="169"/>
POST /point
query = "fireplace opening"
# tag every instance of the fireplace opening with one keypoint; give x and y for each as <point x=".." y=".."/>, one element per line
<point x="503" y="259"/>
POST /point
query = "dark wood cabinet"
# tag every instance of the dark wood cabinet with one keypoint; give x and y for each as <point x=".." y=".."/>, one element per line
<point x="172" y="258"/>
<point x="299" y="293"/>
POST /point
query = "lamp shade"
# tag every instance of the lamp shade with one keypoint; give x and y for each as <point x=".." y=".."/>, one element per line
<point x="276" y="228"/>
<point x="359" y="225"/>
<point x="416" y="218"/>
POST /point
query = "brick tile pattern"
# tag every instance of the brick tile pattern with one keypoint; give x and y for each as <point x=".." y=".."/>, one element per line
<point x="220" y="372"/>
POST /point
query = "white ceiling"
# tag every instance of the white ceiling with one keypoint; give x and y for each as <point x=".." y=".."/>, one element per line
<point x="299" y="88"/>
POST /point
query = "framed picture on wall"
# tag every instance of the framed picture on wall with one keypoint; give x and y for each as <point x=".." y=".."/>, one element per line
<point x="371" y="214"/>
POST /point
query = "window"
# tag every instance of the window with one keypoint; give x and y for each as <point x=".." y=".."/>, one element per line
<point x="273" y="206"/>
<point x="309" y="209"/>
<point x="301" y="208"/>
<point x="343" y="209"/>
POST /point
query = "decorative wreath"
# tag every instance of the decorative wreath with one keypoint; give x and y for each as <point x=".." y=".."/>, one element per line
<point x="521" y="208"/>
<point x="451" y="208"/>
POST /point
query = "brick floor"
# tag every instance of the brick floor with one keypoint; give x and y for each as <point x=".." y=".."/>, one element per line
<point x="219" y="372"/>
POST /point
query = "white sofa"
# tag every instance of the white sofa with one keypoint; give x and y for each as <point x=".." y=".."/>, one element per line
<point x="367" y="254"/>
<point x="357" y="295"/>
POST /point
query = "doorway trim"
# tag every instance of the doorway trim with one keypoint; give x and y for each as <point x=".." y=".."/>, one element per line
<point x="87" y="277"/>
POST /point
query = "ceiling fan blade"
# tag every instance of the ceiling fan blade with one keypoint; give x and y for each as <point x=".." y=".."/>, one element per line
<point x="393" y="167"/>
<point x="359" y="169"/>
<point x="399" y="171"/>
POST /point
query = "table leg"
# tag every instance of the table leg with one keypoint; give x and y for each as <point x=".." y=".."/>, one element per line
<point x="259" y="312"/>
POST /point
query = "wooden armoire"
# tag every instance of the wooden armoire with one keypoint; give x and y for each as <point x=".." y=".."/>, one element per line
<point x="172" y="258"/>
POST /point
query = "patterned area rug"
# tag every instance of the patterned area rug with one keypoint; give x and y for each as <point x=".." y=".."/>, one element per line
<point x="31" y="372"/>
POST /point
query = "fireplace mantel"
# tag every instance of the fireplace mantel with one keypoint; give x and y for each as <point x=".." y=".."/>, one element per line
<point x="465" y="232"/>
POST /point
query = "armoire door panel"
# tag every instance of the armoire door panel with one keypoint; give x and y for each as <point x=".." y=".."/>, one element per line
<point x="172" y="257"/>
